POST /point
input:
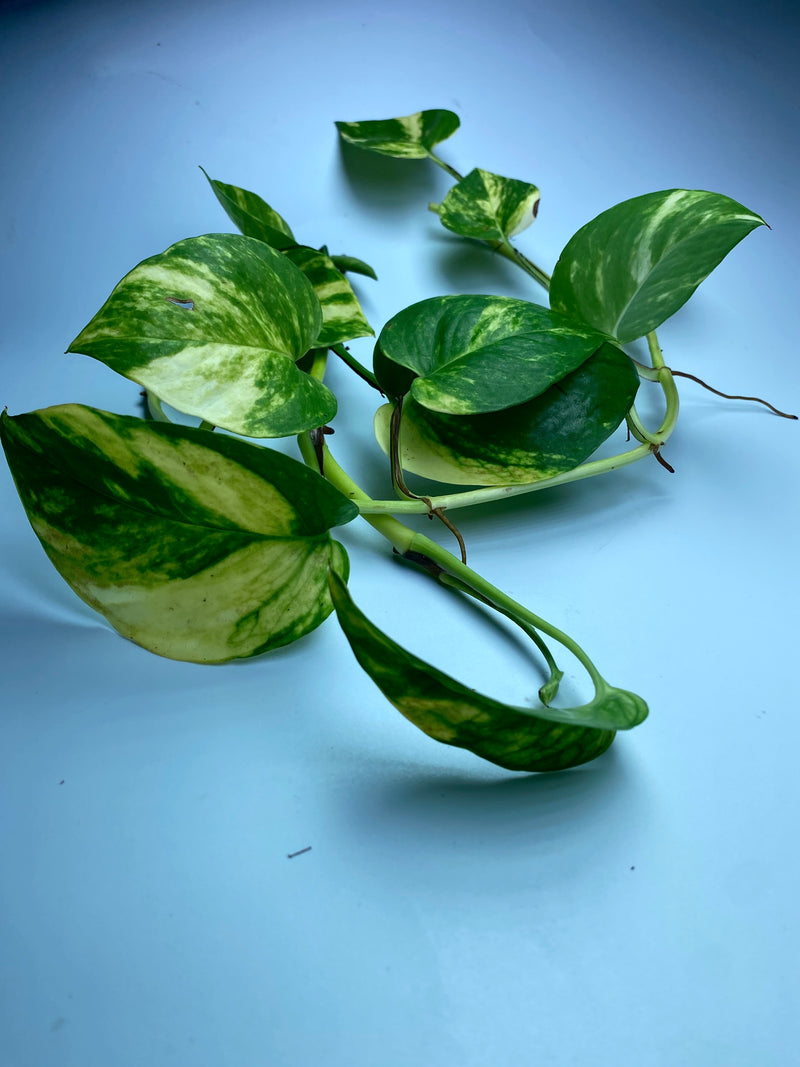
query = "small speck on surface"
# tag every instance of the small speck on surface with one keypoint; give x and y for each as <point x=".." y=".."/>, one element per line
<point x="291" y="855"/>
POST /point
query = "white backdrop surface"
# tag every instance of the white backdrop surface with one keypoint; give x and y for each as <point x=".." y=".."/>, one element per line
<point x="637" y="912"/>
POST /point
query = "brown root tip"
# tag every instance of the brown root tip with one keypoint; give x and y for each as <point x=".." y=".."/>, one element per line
<point x="662" y="461"/>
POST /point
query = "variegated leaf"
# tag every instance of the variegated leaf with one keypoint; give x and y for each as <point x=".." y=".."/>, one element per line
<point x="342" y="317"/>
<point x="468" y="354"/>
<point x="634" y="265"/>
<point x="196" y="545"/>
<point x="214" y="326"/>
<point x="411" y="137"/>
<point x="519" y="739"/>
<point x="553" y="433"/>
<point x="252" y="215"/>
<point x="488" y="207"/>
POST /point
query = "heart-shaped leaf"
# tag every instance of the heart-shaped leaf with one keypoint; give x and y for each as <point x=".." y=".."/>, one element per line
<point x="634" y="265"/>
<point x="214" y="326"/>
<point x="252" y="215"/>
<point x="553" y="433"/>
<point x="468" y="354"/>
<point x="196" y="545"/>
<point x="410" y="137"/>
<point x="342" y="317"/>
<point x="488" y="207"/>
<point x="519" y="739"/>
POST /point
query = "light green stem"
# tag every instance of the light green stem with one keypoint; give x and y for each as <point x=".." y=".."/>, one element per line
<point x="347" y="357"/>
<point x="504" y="603"/>
<point x="505" y="248"/>
<point x="486" y="494"/>
<point x="407" y="541"/>
<point x="445" y="166"/>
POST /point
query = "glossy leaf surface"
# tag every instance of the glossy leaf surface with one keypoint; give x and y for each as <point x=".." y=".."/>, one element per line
<point x="195" y="545"/>
<point x="213" y="326"/>
<point x="548" y="435"/>
<point x="489" y="207"/>
<point x="252" y="215"/>
<point x="519" y="739"/>
<point x="468" y="354"/>
<point x="410" y="137"/>
<point x="342" y="317"/>
<point x="634" y="265"/>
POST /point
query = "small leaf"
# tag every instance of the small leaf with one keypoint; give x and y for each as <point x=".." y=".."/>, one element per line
<point x="197" y="546"/>
<point x="411" y="137"/>
<point x="634" y="265"/>
<point x="252" y="215"/>
<point x="552" y="433"/>
<point x="352" y="265"/>
<point x="468" y="354"/>
<point x="342" y="317"/>
<point x="214" y="326"/>
<point x="488" y="207"/>
<point x="519" y="739"/>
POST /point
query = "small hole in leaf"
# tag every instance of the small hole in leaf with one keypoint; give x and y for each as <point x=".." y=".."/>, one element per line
<point x="187" y="304"/>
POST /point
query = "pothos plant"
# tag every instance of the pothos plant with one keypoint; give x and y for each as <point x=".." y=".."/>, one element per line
<point x="201" y="546"/>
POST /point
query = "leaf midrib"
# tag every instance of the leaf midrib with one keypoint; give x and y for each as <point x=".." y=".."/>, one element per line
<point x="673" y="249"/>
<point x="186" y="343"/>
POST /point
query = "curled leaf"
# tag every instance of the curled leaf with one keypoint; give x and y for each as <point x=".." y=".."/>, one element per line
<point x="519" y="739"/>
<point x="353" y="265"/>
<point x="489" y="207"/>
<point x="468" y="354"/>
<point x="214" y="327"/>
<point x="410" y="137"/>
<point x="195" y="545"/>
<point x="552" y="433"/>
<point x="634" y="265"/>
<point x="342" y="317"/>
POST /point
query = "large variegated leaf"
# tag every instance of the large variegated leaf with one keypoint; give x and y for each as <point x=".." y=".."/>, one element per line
<point x="634" y="265"/>
<point x="411" y="137"/>
<point x="252" y="215"/>
<point x="488" y="207"/>
<point x="196" y="545"/>
<point x="342" y="317"/>
<point x="468" y="354"/>
<point x="548" y="435"/>
<point x="214" y="326"/>
<point x="520" y="739"/>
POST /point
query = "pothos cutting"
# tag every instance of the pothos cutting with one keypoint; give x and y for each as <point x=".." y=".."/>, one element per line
<point x="202" y="546"/>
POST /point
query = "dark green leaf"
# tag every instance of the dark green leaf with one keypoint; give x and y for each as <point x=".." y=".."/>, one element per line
<point x="634" y="265"/>
<point x="488" y="207"/>
<point x="411" y="137"/>
<point x="543" y="437"/>
<point x="342" y="317"/>
<point x="196" y="545"/>
<point x="468" y="354"/>
<point x="252" y="215"/>
<point x="352" y="265"/>
<point x="520" y="739"/>
<point x="214" y="326"/>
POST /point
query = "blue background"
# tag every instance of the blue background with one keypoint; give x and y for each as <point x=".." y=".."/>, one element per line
<point x="638" y="912"/>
